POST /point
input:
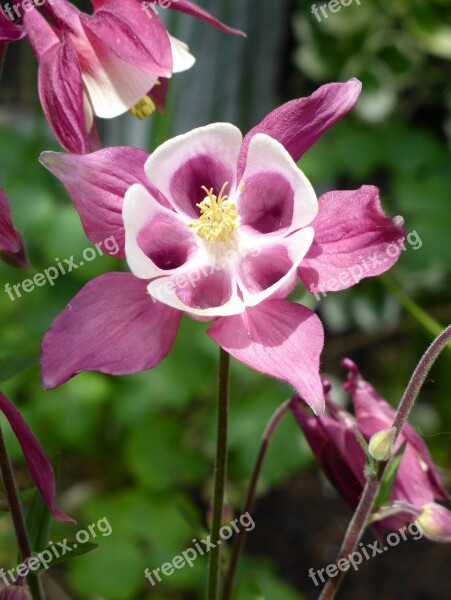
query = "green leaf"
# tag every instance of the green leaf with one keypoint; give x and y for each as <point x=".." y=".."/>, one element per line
<point x="189" y="514"/>
<point x="249" y="590"/>
<point x="38" y="522"/>
<point x="11" y="365"/>
<point x="389" y="477"/>
<point x="77" y="550"/>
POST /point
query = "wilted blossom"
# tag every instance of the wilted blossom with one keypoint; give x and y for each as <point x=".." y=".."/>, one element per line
<point x="12" y="249"/>
<point x="217" y="227"/>
<point x="417" y="488"/>
<point x="102" y="64"/>
<point x="37" y="462"/>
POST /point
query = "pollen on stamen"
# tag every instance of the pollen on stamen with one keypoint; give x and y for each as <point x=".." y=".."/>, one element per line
<point x="142" y="109"/>
<point x="218" y="219"/>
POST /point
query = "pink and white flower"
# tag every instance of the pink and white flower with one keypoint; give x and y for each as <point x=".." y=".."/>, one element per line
<point x="217" y="227"/>
<point x="99" y="65"/>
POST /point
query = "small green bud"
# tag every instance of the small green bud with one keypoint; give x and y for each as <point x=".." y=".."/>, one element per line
<point x="381" y="444"/>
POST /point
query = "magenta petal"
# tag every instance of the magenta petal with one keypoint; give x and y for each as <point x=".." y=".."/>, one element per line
<point x="117" y="25"/>
<point x="12" y="247"/>
<point x="61" y="94"/>
<point x="97" y="184"/>
<point x="195" y="11"/>
<point x="353" y="239"/>
<point x="278" y="338"/>
<point x="9" y="31"/>
<point x="41" y="35"/>
<point x="9" y="238"/>
<point x="35" y="457"/>
<point x="118" y="328"/>
<point x="298" y="124"/>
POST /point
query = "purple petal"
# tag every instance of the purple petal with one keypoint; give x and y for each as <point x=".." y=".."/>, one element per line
<point x="37" y="461"/>
<point x="435" y="521"/>
<point x="41" y="35"/>
<point x="337" y="451"/>
<point x="61" y="94"/>
<point x="9" y="238"/>
<point x="206" y="156"/>
<point x="118" y="328"/>
<point x="195" y="11"/>
<point x="97" y="184"/>
<point x="12" y="247"/>
<point x="298" y="124"/>
<point x="15" y="592"/>
<point x="353" y="240"/>
<point x="158" y="94"/>
<point x="9" y="31"/>
<point x="157" y="240"/>
<point x="278" y="338"/>
<point x="142" y="42"/>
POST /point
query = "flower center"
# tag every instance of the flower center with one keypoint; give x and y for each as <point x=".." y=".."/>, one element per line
<point x="218" y="219"/>
<point x="142" y="109"/>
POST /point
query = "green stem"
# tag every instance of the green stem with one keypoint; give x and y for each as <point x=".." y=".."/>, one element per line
<point x="359" y="521"/>
<point x="421" y="316"/>
<point x="12" y="496"/>
<point x="220" y="474"/>
<point x="250" y="496"/>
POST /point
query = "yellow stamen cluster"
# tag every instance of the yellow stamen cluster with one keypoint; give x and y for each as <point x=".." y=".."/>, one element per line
<point x="142" y="109"/>
<point x="218" y="219"/>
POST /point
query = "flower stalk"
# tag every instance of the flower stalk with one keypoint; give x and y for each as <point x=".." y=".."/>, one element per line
<point x="250" y="496"/>
<point x="12" y="496"/>
<point x="220" y="473"/>
<point x="359" y="521"/>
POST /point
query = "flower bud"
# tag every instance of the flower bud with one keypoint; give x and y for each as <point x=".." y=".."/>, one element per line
<point x="15" y="592"/>
<point x="435" y="522"/>
<point x="381" y="444"/>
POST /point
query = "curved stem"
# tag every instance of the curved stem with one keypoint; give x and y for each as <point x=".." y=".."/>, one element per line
<point x="220" y="473"/>
<point x="12" y="496"/>
<point x="250" y="496"/>
<point x="359" y="521"/>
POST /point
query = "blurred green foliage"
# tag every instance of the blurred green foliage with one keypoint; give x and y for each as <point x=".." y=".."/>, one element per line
<point x="138" y="448"/>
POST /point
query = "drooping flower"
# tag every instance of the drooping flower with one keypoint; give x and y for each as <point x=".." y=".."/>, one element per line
<point x="15" y="592"/>
<point x="34" y="455"/>
<point x="417" y="486"/>
<point x="12" y="248"/>
<point x="97" y="65"/>
<point x="217" y="227"/>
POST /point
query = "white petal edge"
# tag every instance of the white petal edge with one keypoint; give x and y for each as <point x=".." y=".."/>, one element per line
<point x="182" y="60"/>
<point x="221" y="141"/>
<point x="297" y="245"/>
<point x="139" y="205"/>
<point x="265" y="155"/>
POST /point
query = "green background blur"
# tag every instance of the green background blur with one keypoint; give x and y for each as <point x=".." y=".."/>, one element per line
<point x="139" y="449"/>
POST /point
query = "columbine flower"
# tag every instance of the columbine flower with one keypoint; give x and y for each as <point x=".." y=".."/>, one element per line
<point x="101" y="64"/>
<point x="217" y="227"/>
<point x="12" y="248"/>
<point x="34" y="455"/>
<point x="15" y="592"/>
<point x="417" y="485"/>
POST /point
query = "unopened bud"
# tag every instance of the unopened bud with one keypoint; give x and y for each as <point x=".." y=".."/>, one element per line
<point x="435" y="522"/>
<point x="381" y="444"/>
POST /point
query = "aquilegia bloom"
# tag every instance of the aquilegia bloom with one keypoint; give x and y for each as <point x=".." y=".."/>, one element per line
<point x="12" y="248"/>
<point x="417" y="486"/>
<point x="102" y="64"/>
<point x="217" y="227"/>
